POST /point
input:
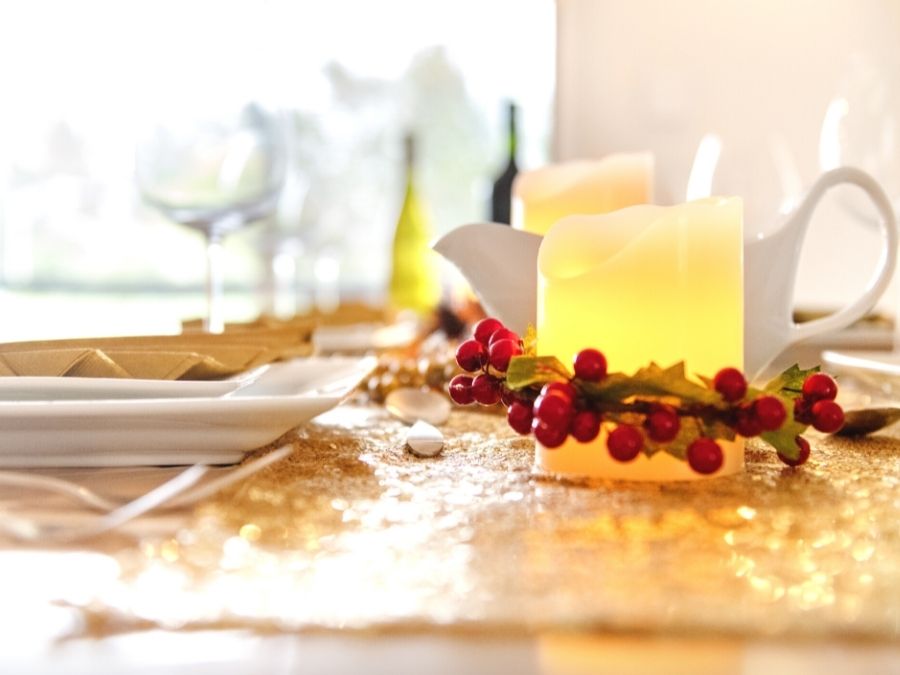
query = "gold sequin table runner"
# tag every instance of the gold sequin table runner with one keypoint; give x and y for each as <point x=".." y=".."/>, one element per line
<point x="351" y="532"/>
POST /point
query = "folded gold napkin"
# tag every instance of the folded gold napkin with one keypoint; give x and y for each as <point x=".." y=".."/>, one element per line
<point x="190" y="356"/>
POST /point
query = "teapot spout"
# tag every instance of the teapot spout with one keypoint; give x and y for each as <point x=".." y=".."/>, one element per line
<point x="500" y="263"/>
<point x="769" y="275"/>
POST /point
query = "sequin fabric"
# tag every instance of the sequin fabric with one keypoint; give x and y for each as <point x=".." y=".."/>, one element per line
<point x="352" y="532"/>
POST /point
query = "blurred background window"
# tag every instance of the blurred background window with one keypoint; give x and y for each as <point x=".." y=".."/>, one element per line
<point x="82" y="80"/>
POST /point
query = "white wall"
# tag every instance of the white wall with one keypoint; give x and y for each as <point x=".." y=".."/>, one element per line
<point x="657" y="74"/>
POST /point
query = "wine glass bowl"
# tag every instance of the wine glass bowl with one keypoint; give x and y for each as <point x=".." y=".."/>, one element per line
<point x="214" y="171"/>
<point x="861" y="127"/>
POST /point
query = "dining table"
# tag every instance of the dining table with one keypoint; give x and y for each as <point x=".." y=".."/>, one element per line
<point x="350" y="554"/>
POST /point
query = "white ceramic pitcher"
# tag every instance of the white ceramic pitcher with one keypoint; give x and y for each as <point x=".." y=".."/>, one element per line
<point x="501" y="265"/>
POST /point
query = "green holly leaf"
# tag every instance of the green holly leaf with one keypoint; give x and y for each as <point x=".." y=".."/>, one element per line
<point x="623" y="417"/>
<point x="708" y="381"/>
<point x="688" y="432"/>
<point x="652" y="382"/>
<point x="716" y="429"/>
<point x="783" y="439"/>
<point x="790" y="381"/>
<point x="525" y="371"/>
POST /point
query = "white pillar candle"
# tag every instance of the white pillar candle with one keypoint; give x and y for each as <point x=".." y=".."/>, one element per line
<point x="544" y="196"/>
<point x="646" y="283"/>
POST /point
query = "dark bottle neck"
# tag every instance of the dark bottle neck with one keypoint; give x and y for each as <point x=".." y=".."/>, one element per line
<point x="409" y="154"/>
<point x="512" y="137"/>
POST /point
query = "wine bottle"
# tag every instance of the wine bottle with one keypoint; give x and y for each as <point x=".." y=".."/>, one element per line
<point x="501" y="195"/>
<point x="414" y="274"/>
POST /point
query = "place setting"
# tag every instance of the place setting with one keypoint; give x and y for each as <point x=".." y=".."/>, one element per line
<point x="317" y="377"/>
<point x="443" y="447"/>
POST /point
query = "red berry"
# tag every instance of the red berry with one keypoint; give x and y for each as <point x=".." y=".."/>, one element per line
<point x="504" y="334"/>
<point x="803" y="410"/>
<point x="705" y="456"/>
<point x="590" y="365"/>
<point x="746" y="423"/>
<point x="486" y="389"/>
<point x="585" y="426"/>
<point x="625" y="442"/>
<point x="819" y="387"/>
<point x="554" y="410"/>
<point x="548" y="435"/>
<point x="731" y="383"/>
<point x="461" y="389"/>
<point x="563" y="389"/>
<point x="508" y="396"/>
<point x="519" y="415"/>
<point x="802" y="456"/>
<point x="501" y="352"/>
<point x="662" y="424"/>
<point x="485" y="328"/>
<point x="471" y="356"/>
<point x="828" y="416"/>
<point x="769" y="412"/>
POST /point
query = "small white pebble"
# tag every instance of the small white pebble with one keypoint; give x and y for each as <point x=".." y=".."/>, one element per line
<point x="409" y="404"/>
<point x="423" y="440"/>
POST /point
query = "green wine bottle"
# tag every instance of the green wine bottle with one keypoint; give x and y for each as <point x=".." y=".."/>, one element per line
<point x="414" y="274"/>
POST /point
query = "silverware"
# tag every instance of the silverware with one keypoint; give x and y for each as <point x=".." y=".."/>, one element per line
<point x="26" y="529"/>
<point x="172" y="494"/>
<point x="867" y="421"/>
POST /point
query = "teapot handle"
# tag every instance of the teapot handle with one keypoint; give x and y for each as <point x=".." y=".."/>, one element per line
<point x="886" y="263"/>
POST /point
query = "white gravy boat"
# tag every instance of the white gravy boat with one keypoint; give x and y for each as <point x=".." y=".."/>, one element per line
<point x="501" y="265"/>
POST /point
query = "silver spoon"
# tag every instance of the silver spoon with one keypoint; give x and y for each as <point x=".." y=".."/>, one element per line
<point x="867" y="421"/>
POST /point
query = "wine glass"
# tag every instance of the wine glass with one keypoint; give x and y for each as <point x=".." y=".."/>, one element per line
<point x="861" y="127"/>
<point x="215" y="171"/>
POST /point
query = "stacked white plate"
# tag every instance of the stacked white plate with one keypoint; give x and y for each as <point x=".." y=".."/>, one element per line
<point x="61" y="421"/>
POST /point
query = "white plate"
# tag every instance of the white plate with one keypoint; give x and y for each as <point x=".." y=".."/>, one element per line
<point x="167" y="431"/>
<point x="95" y="388"/>
<point x="363" y="337"/>
<point x="867" y="364"/>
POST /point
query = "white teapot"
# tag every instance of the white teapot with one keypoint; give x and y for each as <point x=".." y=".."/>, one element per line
<point x="501" y="265"/>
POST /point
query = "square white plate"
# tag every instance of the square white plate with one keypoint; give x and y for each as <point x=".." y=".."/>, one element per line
<point x="172" y="431"/>
<point x="94" y="388"/>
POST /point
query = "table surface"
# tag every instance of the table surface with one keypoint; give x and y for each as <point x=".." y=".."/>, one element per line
<point x="47" y="626"/>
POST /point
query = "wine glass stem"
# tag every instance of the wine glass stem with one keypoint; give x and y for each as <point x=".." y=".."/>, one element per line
<point x="215" y="321"/>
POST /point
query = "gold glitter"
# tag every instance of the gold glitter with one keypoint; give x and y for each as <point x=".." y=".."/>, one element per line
<point x="340" y="504"/>
<point x="746" y="512"/>
<point x="355" y="533"/>
<point x="768" y="589"/>
<point x="862" y="551"/>
<point x="250" y="532"/>
<point x="824" y="539"/>
<point x="169" y="550"/>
